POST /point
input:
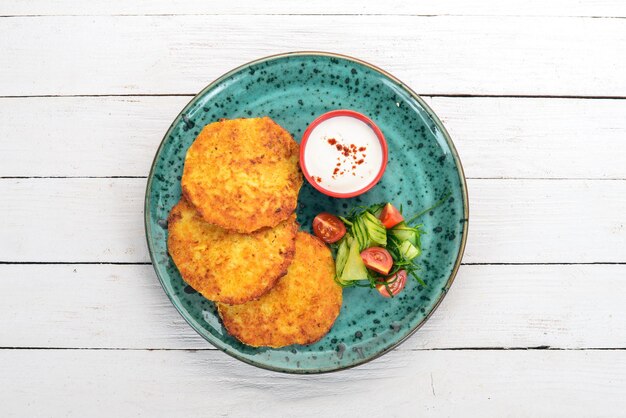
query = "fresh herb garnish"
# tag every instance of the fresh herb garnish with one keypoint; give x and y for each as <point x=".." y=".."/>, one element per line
<point x="433" y="207"/>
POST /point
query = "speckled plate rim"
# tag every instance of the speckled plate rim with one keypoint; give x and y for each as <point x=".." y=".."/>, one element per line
<point x="225" y="347"/>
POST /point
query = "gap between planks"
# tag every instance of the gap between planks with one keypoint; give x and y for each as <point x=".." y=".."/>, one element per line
<point x="428" y="8"/>
<point x="421" y="94"/>
<point x="468" y="178"/>
<point x="131" y="263"/>
<point x="17" y="16"/>
<point x="537" y="348"/>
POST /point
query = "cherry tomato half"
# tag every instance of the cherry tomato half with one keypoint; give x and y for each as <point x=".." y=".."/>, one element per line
<point x="377" y="259"/>
<point x="395" y="284"/>
<point x="328" y="228"/>
<point x="390" y="216"/>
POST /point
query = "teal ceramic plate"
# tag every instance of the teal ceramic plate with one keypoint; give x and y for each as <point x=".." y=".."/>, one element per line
<point x="293" y="89"/>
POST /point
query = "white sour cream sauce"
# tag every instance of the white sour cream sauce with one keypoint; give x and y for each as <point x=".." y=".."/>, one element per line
<point x="321" y="157"/>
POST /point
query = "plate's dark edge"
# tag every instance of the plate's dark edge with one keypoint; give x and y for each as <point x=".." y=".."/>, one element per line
<point x="460" y="172"/>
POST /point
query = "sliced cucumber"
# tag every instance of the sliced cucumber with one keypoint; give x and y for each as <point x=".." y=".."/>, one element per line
<point x="360" y="233"/>
<point x="375" y="229"/>
<point x="408" y="251"/>
<point x="403" y="232"/>
<point x="354" y="268"/>
<point x="342" y="256"/>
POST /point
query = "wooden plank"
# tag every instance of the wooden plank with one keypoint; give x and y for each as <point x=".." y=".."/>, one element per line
<point x="109" y="306"/>
<point x="546" y="221"/>
<point x="614" y="8"/>
<point x="511" y="221"/>
<point x="73" y="220"/>
<point x="107" y="136"/>
<point x="537" y="138"/>
<point x="401" y="383"/>
<point x="181" y="54"/>
<point x="496" y="137"/>
<point x="89" y="306"/>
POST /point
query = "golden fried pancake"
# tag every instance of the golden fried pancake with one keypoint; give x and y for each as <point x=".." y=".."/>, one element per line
<point x="243" y="174"/>
<point x="226" y="266"/>
<point x="300" y="309"/>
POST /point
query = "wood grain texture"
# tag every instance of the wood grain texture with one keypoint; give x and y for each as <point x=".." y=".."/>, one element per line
<point x="83" y="136"/>
<point x="180" y="54"/>
<point x="124" y="307"/>
<point x="613" y="8"/>
<point x="511" y="221"/>
<point x="496" y="137"/>
<point x="537" y="138"/>
<point x="402" y="383"/>
<point x="73" y="220"/>
<point x="536" y="221"/>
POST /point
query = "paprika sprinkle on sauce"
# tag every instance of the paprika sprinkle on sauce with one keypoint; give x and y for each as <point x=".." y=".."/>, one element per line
<point x="347" y="151"/>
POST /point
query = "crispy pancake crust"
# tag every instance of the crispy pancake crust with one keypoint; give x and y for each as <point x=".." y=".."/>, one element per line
<point x="243" y="174"/>
<point x="300" y="309"/>
<point x="226" y="266"/>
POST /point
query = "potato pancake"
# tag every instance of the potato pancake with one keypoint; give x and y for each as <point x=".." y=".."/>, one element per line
<point x="300" y="309"/>
<point x="227" y="266"/>
<point x="243" y="174"/>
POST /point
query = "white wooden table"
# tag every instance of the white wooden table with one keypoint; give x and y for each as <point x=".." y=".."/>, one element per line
<point x="533" y="94"/>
